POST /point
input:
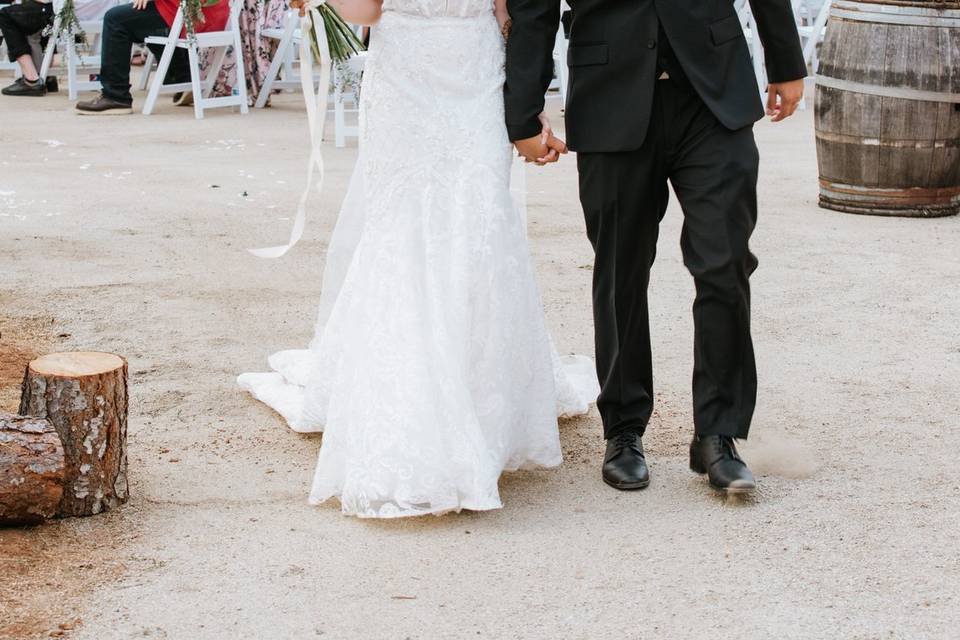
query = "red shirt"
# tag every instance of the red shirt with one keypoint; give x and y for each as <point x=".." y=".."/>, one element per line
<point x="215" y="15"/>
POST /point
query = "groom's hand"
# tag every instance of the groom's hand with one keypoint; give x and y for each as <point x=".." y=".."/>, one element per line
<point x="544" y="148"/>
<point x="783" y="98"/>
<point x="537" y="151"/>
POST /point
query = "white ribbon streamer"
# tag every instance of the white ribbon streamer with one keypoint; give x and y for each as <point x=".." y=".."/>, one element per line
<point x="316" y="102"/>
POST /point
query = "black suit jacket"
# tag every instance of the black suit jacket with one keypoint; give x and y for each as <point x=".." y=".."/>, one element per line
<point x="613" y="63"/>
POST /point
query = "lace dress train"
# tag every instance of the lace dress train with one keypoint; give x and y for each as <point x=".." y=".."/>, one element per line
<point x="431" y="371"/>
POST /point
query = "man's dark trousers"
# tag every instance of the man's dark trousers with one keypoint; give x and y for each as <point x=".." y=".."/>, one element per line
<point x="122" y="27"/>
<point x="17" y="21"/>
<point x="624" y="195"/>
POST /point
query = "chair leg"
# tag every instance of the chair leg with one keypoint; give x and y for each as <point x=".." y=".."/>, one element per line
<point x="51" y="47"/>
<point x="214" y="70"/>
<point x="71" y="55"/>
<point x="241" y="71"/>
<point x="158" y="78"/>
<point x="198" y="98"/>
<point x="145" y="74"/>
<point x="339" y="119"/>
<point x="758" y="69"/>
<point x="268" y="80"/>
<point x="280" y="58"/>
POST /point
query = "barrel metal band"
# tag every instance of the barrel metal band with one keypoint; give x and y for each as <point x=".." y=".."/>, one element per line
<point x="905" y="93"/>
<point x="915" y="21"/>
<point x="892" y="14"/>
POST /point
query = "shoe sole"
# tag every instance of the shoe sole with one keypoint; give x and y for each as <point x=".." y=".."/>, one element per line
<point x="729" y="490"/>
<point x="106" y="112"/>
<point x="627" y="486"/>
<point x="735" y="491"/>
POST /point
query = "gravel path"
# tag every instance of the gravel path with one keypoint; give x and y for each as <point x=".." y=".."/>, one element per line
<point x="128" y="235"/>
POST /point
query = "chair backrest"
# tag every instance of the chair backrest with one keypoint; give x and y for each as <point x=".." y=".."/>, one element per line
<point x="236" y="6"/>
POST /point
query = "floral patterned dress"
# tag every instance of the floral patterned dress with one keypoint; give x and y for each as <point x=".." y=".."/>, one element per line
<point x="258" y="51"/>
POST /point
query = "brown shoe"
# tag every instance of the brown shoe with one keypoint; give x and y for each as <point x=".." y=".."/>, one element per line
<point x="103" y="106"/>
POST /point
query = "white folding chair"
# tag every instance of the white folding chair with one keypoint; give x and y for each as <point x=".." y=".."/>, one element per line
<point x="80" y="63"/>
<point x="219" y="40"/>
<point x="341" y="130"/>
<point x="812" y="27"/>
<point x="285" y="60"/>
<point x="79" y="66"/>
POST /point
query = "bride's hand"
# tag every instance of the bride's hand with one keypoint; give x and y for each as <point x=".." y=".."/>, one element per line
<point x="503" y="17"/>
<point x="364" y="12"/>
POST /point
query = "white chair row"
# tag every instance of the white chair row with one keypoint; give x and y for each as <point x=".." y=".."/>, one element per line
<point x="82" y="63"/>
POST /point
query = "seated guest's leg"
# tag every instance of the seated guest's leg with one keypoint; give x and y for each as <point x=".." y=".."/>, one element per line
<point x="123" y="26"/>
<point x="179" y="70"/>
<point x="17" y="22"/>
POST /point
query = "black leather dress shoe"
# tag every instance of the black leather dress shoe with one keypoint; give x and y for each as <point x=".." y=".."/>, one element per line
<point x="624" y="466"/>
<point x="717" y="457"/>
<point x="23" y="87"/>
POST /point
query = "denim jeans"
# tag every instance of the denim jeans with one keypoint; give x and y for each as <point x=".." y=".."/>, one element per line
<point x="18" y="21"/>
<point x="122" y="27"/>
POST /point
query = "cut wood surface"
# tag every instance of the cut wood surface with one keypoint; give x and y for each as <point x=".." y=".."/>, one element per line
<point x="32" y="468"/>
<point x="84" y="395"/>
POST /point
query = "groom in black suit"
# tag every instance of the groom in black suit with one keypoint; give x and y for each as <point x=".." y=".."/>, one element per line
<point x="662" y="90"/>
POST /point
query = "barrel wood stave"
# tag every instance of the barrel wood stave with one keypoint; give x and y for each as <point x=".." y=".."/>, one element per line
<point x="896" y="151"/>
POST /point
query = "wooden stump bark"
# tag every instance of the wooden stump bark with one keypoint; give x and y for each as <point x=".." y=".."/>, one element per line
<point x="84" y="395"/>
<point x="32" y="470"/>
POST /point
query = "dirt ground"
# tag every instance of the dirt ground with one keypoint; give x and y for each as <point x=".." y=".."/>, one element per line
<point x="128" y="234"/>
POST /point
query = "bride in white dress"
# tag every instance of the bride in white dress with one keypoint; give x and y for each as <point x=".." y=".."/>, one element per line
<point x="431" y="371"/>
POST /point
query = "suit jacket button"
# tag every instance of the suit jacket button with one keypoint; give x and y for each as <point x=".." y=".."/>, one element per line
<point x="652" y="44"/>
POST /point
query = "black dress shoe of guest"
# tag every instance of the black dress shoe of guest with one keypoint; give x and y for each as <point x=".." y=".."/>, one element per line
<point x="23" y="87"/>
<point x="624" y="465"/>
<point x="717" y="457"/>
<point x="53" y="86"/>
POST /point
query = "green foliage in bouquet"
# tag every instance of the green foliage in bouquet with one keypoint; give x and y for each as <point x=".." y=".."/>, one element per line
<point x="69" y="23"/>
<point x="341" y="39"/>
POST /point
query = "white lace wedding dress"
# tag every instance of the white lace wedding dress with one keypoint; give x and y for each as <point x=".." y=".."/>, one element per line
<point x="431" y="370"/>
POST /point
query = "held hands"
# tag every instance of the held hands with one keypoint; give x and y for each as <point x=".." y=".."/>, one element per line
<point x="783" y="98"/>
<point x="140" y="5"/>
<point x="544" y="148"/>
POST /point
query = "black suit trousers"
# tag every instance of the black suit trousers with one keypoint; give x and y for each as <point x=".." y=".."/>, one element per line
<point x="713" y="171"/>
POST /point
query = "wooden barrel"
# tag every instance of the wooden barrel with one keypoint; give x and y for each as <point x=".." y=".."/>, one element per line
<point x="888" y="108"/>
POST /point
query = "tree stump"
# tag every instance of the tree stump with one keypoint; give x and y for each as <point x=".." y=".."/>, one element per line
<point x="84" y="395"/>
<point x="32" y="470"/>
